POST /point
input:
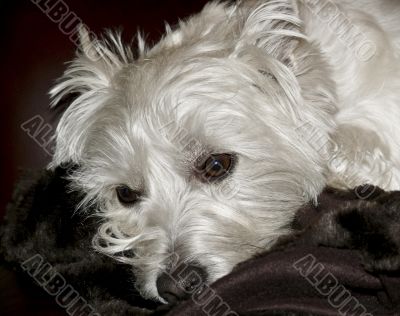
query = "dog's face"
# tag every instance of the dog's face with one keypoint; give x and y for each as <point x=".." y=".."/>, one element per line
<point x="194" y="148"/>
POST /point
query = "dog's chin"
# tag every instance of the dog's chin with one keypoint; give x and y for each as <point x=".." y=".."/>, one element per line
<point x="147" y="288"/>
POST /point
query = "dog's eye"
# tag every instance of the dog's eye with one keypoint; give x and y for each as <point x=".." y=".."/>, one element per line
<point x="216" y="167"/>
<point x="126" y="195"/>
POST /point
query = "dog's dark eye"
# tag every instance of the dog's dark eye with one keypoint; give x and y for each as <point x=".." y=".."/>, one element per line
<point x="126" y="195"/>
<point x="216" y="167"/>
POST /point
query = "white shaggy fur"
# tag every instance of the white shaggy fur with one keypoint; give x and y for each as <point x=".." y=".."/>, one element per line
<point x="271" y="81"/>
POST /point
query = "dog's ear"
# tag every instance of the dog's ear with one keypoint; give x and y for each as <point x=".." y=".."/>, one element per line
<point x="85" y="84"/>
<point x="273" y="27"/>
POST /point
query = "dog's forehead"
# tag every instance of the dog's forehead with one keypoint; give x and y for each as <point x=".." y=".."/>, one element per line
<point x="185" y="90"/>
<point x="184" y="103"/>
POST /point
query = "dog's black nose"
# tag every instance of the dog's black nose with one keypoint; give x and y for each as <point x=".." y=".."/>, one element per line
<point x="182" y="282"/>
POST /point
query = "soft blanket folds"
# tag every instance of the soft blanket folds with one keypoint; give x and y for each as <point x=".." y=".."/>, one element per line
<point x="343" y="258"/>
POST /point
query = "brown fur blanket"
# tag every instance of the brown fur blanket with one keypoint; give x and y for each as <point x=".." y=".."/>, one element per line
<point x="343" y="258"/>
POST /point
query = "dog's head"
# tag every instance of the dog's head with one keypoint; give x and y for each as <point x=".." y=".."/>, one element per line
<point x="202" y="146"/>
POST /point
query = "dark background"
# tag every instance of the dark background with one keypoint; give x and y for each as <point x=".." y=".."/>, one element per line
<point x="33" y="53"/>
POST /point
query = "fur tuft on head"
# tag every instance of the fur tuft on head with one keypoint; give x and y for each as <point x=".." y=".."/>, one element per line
<point x="89" y="77"/>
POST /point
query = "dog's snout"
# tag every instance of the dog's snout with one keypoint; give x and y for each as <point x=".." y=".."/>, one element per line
<point x="182" y="282"/>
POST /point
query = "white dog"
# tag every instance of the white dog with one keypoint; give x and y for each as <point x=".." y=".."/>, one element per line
<point x="206" y="144"/>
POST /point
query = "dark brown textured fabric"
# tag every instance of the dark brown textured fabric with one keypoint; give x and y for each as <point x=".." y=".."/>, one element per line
<point x="320" y="269"/>
<point x="272" y="285"/>
<point x="341" y="259"/>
